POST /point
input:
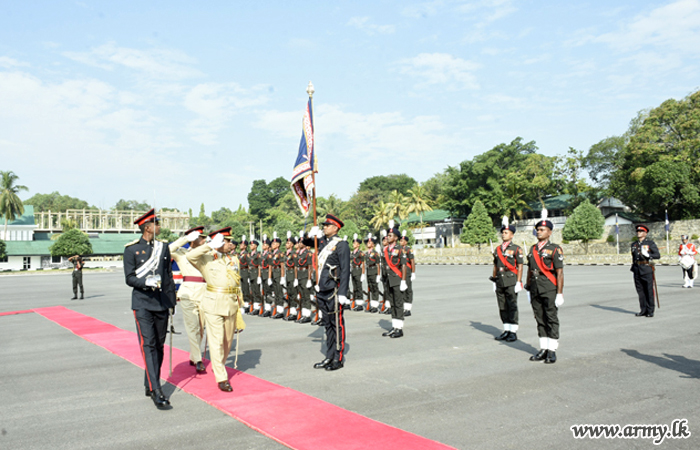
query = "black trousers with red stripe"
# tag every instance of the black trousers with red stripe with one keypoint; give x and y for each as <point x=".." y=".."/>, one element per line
<point x="151" y="328"/>
<point x="326" y="303"/>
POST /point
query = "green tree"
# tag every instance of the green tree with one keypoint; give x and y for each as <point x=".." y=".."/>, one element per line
<point x="486" y="178"/>
<point x="659" y="166"/>
<point x="434" y="188"/>
<point x="167" y="235"/>
<point x="418" y="202"/>
<point x="388" y="183"/>
<point x="349" y="229"/>
<point x="202" y="220"/>
<point x="10" y="204"/>
<point x="397" y="205"/>
<point x="380" y="215"/>
<point x="132" y="205"/>
<point x="278" y="187"/>
<point x="478" y="228"/>
<point x="585" y="224"/>
<point x="260" y="199"/>
<point x="55" y="202"/>
<point x="72" y="242"/>
<point x="3" y="249"/>
<point x="603" y="159"/>
<point x="571" y="181"/>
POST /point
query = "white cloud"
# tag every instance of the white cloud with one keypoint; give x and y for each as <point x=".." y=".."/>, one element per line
<point x="214" y="104"/>
<point x="673" y="27"/>
<point x="9" y="63"/>
<point x="366" y="137"/>
<point x="157" y="63"/>
<point x="363" y="24"/>
<point x="440" y="69"/>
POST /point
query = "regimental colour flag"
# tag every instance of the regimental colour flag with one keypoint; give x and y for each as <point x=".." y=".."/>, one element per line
<point x="617" y="226"/>
<point x="667" y="222"/>
<point x="305" y="165"/>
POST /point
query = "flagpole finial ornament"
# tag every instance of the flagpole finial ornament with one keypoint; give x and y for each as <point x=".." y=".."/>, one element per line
<point x="310" y="89"/>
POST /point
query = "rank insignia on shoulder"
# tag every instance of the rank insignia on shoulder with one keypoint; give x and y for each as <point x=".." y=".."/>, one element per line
<point x="132" y="243"/>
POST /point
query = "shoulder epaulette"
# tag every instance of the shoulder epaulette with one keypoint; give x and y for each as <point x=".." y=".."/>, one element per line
<point x="132" y="242"/>
<point x="163" y="241"/>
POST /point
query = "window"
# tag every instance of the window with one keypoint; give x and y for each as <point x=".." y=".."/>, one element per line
<point x="56" y="259"/>
<point x="27" y="263"/>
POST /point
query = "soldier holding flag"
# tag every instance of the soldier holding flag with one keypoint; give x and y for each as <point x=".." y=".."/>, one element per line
<point x="332" y="288"/>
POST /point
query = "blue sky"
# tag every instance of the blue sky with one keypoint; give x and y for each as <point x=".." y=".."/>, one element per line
<point x="189" y="102"/>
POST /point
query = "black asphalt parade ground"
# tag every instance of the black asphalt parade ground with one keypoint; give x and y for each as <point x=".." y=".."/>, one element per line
<point x="447" y="379"/>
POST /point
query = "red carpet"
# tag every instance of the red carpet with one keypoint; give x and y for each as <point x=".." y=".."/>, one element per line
<point x="254" y="402"/>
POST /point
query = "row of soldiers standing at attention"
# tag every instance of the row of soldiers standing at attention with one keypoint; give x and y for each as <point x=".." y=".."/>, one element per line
<point x="268" y="274"/>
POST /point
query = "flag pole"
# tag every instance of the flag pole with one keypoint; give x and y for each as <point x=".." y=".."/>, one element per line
<point x="310" y="90"/>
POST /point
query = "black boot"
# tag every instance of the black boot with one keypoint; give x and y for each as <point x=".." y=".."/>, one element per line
<point x="387" y="333"/>
<point x="159" y="399"/>
<point x="551" y="357"/>
<point x="541" y="355"/>
<point x="512" y="337"/>
<point x="397" y="333"/>
<point x="502" y="336"/>
<point x="322" y="364"/>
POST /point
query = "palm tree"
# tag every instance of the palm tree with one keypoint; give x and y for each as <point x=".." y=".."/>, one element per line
<point x="418" y="203"/>
<point x="396" y="205"/>
<point x="380" y="215"/>
<point x="10" y="204"/>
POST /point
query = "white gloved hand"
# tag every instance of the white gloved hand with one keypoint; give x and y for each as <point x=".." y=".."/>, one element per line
<point x="308" y="284"/>
<point x="494" y="286"/>
<point x="362" y="277"/>
<point x="217" y="242"/>
<point x="269" y="281"/>
<point x="296" y="282"/>
<point x="529" y="299"/>
<point x="151" y="282"/>
<point x="318" y="289"/>
<point x="315" y="231"/>
<point x="283" y="281"/>
<point x="379" y="279"/>
<point x="343" y="300"/>
<point x="559" y="300"/>
<point x="192" y="236"/>
<point x="413" y="276"/>
<point x="518" y="287"/>
<point x="259" y="280"/>
<point x="403" y="286"/>
<point x="645" y="253"/>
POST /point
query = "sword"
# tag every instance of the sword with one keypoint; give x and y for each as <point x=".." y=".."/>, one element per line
<point x="656" y="288"/>
<point x="170" y="313"/>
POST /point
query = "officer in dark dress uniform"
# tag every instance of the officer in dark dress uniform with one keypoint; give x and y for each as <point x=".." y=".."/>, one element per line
<point x="357" y="273"/>
<point x="372" y="268"/>
<point x="148" y="271"/>
<point x="396" y="280"/>
<point x="304" y="270"/>
<point x="244" y="260"/>
<point x="334" y="264"/>
<point x="289" y="276"/>
<point x="644" y="251"/>
<point x="545" y="285"/>
<point x="507" y="278"/>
